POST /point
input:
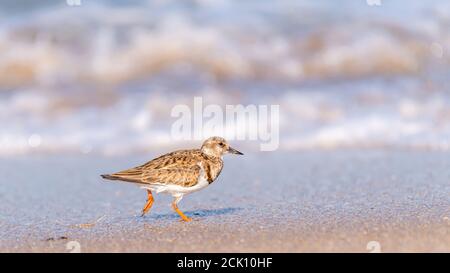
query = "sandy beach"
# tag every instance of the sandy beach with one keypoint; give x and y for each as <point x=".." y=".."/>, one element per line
<point x="269" y="202"/>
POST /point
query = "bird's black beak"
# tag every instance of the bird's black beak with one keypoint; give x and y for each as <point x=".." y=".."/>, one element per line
<point x="234" y="151"/>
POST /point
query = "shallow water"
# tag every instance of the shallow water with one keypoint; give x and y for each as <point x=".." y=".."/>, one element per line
<point x="311" y="201"/>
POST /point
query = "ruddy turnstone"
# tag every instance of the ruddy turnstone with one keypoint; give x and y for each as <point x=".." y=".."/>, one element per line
<point x="178" y="173"/>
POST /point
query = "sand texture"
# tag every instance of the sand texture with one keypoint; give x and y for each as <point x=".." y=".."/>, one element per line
<point x="312" y="201"/>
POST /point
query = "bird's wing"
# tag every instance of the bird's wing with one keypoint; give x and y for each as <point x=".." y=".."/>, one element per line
<point x="182" y="177"/>
<point x="180" y="167"/>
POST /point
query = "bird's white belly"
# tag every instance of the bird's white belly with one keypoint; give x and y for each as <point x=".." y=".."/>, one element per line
<point x="177" y="190"/>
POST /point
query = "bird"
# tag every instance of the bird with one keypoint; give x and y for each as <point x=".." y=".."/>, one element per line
<point x="178" y="173"/>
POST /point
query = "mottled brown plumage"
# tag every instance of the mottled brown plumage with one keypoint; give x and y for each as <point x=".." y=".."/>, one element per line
<point x="180" y="172"/>
<point x="179" y="168"/>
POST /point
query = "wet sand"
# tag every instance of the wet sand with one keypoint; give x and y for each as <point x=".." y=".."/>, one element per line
<point x="270" y="202"/>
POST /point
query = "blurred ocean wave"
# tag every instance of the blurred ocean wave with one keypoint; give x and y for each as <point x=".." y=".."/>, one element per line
<point x="103" y="77"/>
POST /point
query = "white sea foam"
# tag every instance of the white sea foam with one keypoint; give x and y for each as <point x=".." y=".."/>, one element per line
<point x="102" y="78"/>
<point x="109" y="44"/>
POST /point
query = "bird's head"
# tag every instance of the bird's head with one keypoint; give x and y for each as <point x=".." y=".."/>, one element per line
<point x="217" y="146"/>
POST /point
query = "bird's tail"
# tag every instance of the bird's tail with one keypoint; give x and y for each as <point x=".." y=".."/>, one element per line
<point x="109" y="177"/>
<point x="121" y="178"/>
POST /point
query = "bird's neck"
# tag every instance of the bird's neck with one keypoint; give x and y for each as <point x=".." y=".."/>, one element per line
<point x="211" y="153"/>
<point x="212" y="168"/>
<point x="211" y="157"/>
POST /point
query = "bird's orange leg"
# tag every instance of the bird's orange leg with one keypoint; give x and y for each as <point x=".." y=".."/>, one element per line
<point x="175" y="207"/>
<point x="149" y="203"/>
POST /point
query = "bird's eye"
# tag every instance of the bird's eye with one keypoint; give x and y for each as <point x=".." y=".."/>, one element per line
<point x="221" y="144"/>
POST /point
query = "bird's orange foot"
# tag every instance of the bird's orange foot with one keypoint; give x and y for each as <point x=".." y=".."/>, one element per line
<point x="149" y="203"/>
<point x="186" y="219"/>
<point x="183" y="217"/>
